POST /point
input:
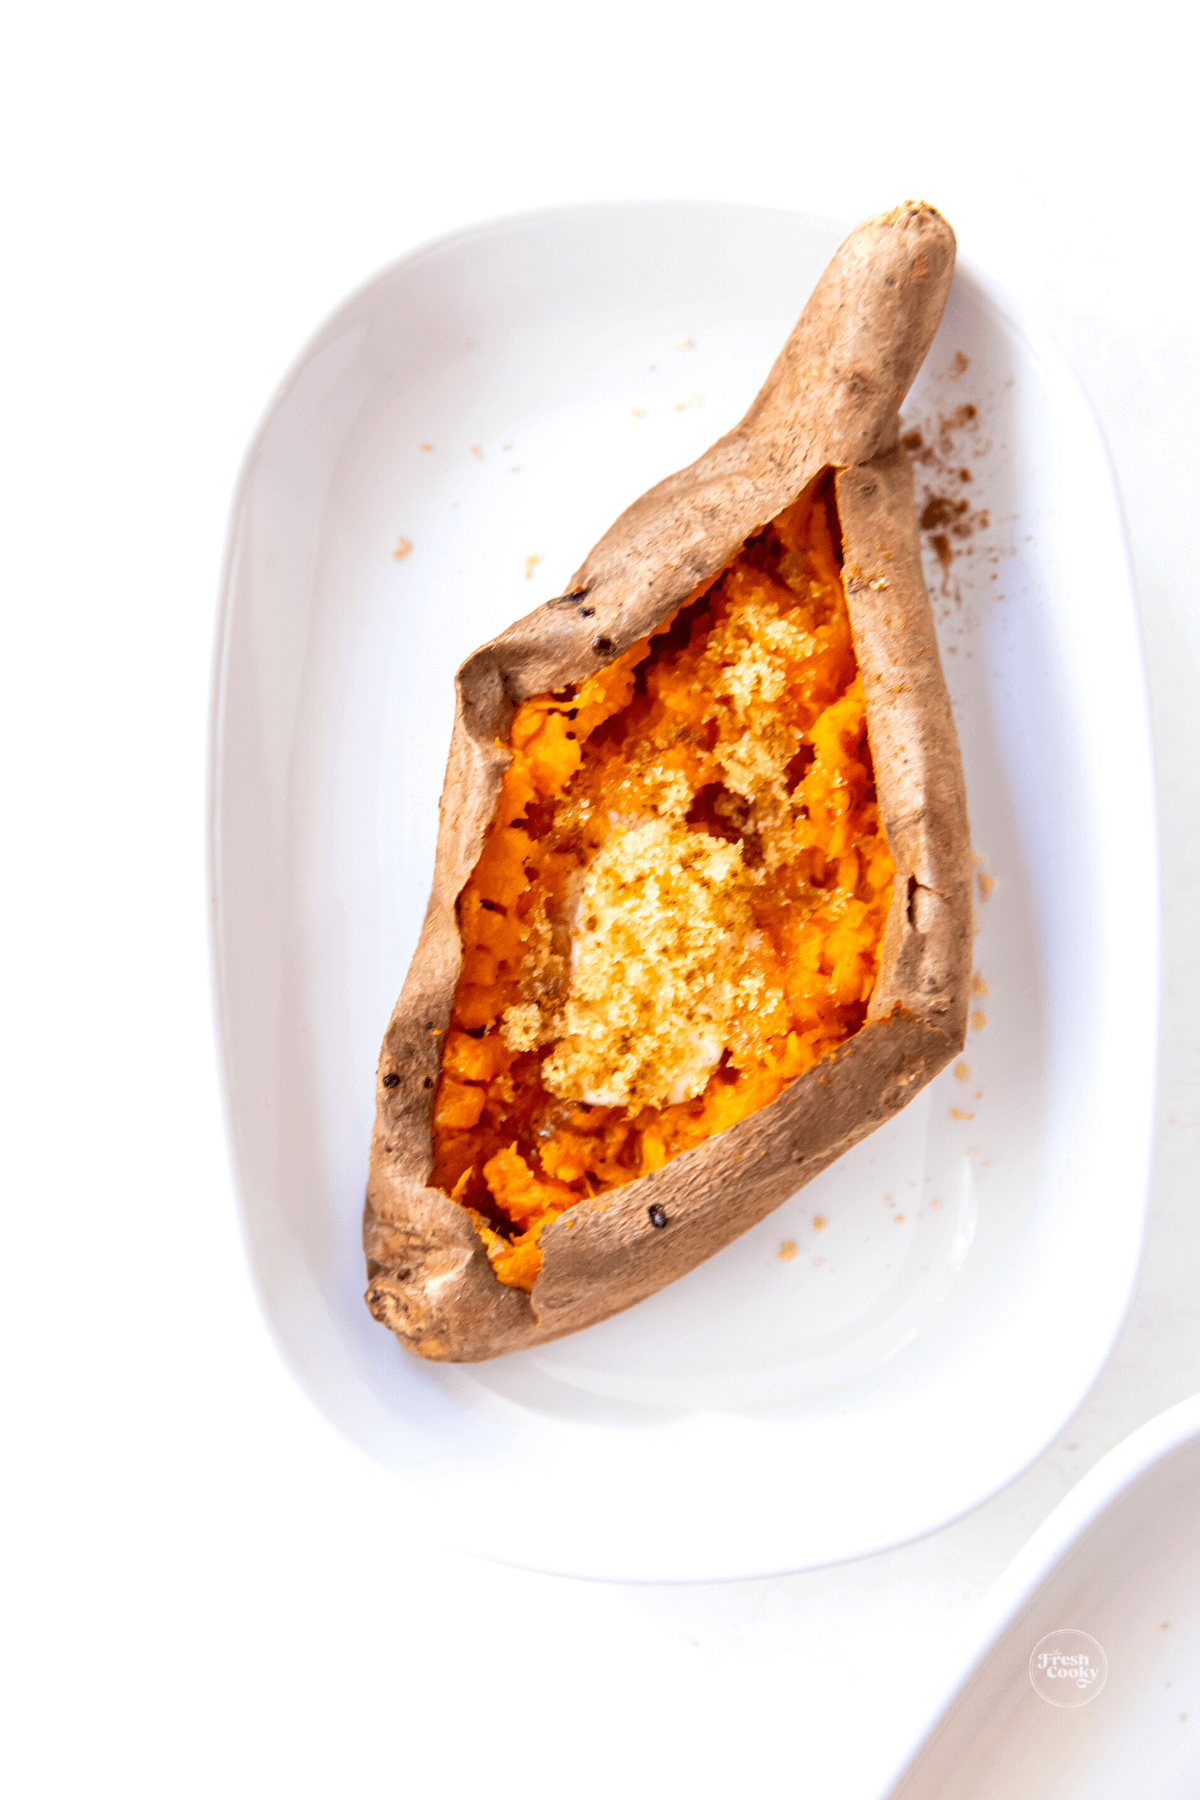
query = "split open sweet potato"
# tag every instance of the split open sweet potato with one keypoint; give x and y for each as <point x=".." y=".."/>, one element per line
<point x="701" y="912"/>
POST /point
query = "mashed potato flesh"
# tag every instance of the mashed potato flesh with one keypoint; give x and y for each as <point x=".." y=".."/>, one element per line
<point x="680" y="902"/>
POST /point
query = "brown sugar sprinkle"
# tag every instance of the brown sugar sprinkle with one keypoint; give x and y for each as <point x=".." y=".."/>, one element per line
<point x="946" y="515"/>
<point x="962" y="1072"/>
<point x="403" y="546"/>
<point x="819" y="1223"/>
<point x="978" y="1020"/>
<point x="978" y="984"/>
<point x="787" y="1250"/>
<point x="940" y="511"/>
<point x="956" y="1112"/>
<point x="987" y="885"/>
<point x="427" y="446"/>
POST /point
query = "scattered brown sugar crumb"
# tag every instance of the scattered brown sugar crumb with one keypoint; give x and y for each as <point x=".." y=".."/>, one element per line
<point x="403" y="546"/>
<point x="476" y="451"/>
<point x="636" y="412"/>
<point x="962" y="1071"/>
<point x="986" y="885"/>
<point x="531" y="563"/>
<point x="787" y="1250"/>
<point x="899" y="1219"/>
<point x="427" y="446"/>
<point x="978" y="984"/>
<point x="936" y="446"/>
<point x="941" y="511"/>
<point x="956" y="1112"/>
<point x="978" y="1020"/>
<point x="819" y="1223"/>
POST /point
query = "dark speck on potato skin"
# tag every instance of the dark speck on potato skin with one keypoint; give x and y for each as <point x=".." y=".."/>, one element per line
<point x="657" y="1216"/>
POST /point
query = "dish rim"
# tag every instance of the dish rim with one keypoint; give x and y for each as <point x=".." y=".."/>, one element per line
<point x="1032" y="1568"/>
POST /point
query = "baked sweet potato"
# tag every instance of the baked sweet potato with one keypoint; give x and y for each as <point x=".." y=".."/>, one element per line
<point x="701" y="912"/>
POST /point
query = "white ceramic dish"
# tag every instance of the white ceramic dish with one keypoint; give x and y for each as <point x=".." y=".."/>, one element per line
<point x="957" y="1280"/>
<point x="1119" y="1559"/>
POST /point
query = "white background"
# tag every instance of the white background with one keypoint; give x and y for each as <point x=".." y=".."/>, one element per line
<point x="209" y="1592"/>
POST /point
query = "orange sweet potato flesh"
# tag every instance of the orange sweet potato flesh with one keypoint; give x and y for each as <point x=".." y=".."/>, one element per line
<point x="665" y="718"/>
<point x="537" y="1166"/>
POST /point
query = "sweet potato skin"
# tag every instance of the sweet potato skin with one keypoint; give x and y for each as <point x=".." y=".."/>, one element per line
<point x="831" y="399"/>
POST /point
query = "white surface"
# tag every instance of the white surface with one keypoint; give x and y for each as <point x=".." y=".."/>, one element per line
<point x="208" y="1591"/>
<point x="980" y="1249"/>
<point x="1119" y="1558"/>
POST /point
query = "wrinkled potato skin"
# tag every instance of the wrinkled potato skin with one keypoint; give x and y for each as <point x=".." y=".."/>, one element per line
<point x="832" y="399"/>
